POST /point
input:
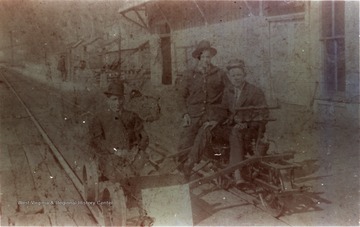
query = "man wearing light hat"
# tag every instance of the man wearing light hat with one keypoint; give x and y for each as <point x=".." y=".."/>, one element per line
<point x="201" y="89"/>
<point x="118" y="137"/>
<point x="248" y="113"/>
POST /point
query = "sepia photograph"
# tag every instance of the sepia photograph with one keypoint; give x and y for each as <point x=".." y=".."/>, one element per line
<point x="179" y="113"/>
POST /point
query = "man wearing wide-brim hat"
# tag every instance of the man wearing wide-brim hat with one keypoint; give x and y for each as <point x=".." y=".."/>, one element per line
<point x="247" y="124"/>
<point x="118" y="137"/>
<point x="201" y="90"/>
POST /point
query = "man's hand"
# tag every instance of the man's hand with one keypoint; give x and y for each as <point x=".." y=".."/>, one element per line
<point x="139" y="161"/>
<point x="122" y="153"/>
<point x="210" y="124"/>
<point x="186" y="120"/>
<point x="127" y="155"/>
<point x="228" y="121"/>
<point x="240" y="126"/>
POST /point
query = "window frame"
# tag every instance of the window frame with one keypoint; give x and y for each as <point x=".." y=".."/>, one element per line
<point x="334" y="85"/>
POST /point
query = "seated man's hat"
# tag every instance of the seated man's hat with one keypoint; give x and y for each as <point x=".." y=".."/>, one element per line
<point x="235" y="63"/>
<point x="115" y="89"/>
<point x="203" y="45"/>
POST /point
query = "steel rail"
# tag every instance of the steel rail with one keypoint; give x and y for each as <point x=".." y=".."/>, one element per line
<point x="95" y="211"/>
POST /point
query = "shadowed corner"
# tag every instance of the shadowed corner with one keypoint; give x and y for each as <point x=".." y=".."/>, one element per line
<point x="203" y="210"/>
<point x="306" y="202"/>
<point x="309" y="167"/>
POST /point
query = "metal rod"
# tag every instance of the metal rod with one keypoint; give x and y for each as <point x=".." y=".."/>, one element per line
<point x="332" y="37"/>
<point x="233" y="167"/>
<point x="201" y="12"/>
<point x="131" y="20"/>
<point x="141" y="19"/>
<point x="258" y="108"/>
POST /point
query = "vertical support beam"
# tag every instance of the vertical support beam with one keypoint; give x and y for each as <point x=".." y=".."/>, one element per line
<point x="45" y="55"/>
<point x="12" y="48"/>
<point x="332" y="18"/>
<point x="70" y="70"/>
<point x="334" y="44"/>
<point x="119" y="44"/>
<point x="269" y="64"/>
<point x="174" y="62"/>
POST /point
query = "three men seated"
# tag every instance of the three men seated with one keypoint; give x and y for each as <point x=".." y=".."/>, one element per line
<point x="218" y="103"/>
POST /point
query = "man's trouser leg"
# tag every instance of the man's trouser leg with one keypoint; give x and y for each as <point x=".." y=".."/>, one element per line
<point x="187" y="138"/>
<point x="201" y="140"/>
<point x="237" y="152"/>
<point x="114" y="168"/>
<point x="236" y="142"/>
<point x="63" y="74"/>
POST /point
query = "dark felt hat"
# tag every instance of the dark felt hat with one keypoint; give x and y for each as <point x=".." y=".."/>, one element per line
<point x="115" y="89"/>
<point x="203" y="45"/>
<point x="235" y="63"/>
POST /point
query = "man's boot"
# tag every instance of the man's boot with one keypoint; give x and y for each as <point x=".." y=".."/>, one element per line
<point x="188" y="166"/>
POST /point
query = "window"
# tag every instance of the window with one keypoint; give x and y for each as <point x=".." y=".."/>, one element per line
<point x="276" y="8"/>
<point x="333" y="31"/>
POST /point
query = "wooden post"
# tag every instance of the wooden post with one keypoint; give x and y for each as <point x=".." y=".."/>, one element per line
<point x="119" y="67"/>
<point x="69" y="65"/>
<point x="12" y="48"/>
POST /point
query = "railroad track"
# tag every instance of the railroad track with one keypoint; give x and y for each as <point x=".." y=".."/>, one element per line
<point x="95" y="211"/>
<point x="66" y="166"/>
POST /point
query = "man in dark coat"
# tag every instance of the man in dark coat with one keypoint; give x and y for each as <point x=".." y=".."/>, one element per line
<point x="119" y="138"/>
<point x="201" y="89"/>
<point x="247" y="114"/>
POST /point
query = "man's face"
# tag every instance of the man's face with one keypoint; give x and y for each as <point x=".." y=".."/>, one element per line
<point x="237" y="76"/>
<point x="115" y="103"/>
<point x="205" y="59"/>
<point x="82" y="65"/>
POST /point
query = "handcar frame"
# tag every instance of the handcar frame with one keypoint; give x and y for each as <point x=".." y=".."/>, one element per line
<point x="270" y="176"/>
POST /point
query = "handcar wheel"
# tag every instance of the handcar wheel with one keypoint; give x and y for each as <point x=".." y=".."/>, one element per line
<point x="90" y="181"/>
<point x="272" y="203"/>
<point x="113" y="205"/>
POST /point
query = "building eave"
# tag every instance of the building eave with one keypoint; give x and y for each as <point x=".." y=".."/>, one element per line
<point x="131" y="4"/>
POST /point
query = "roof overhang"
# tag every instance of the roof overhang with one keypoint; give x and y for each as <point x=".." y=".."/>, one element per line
<point x="136" y="8"/>
<point x="132" y="4"/>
